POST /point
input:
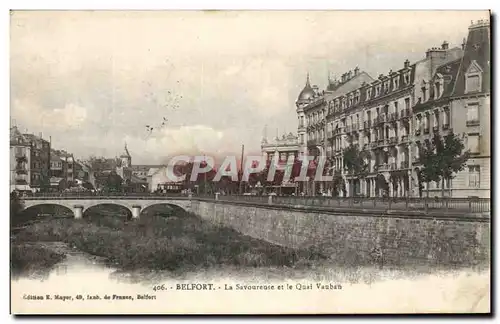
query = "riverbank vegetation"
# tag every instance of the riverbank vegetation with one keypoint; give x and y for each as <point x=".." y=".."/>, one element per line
<point x="173" y="241"/>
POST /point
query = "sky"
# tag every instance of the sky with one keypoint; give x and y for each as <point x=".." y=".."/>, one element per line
<point x="206" y="81"/>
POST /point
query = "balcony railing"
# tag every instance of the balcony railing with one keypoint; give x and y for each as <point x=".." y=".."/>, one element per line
<point x="384" y="167"/>
<point x="405" y="113"/>
<point x="393" y="140"/>
<point x="472" y="123"/>
<point x="393" y="166"/>
<point x="374" y="144"/>
<point x="404" y="164"/>
<point x="312" y="142"/>
<point x="380" y="119"/>
<point x="367" y="124"/>
<point x="383" y="142"/>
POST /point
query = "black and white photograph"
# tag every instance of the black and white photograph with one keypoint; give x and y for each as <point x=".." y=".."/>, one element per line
<point x="250" y="162"/>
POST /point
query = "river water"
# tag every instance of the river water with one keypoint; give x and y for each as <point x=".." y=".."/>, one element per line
<point x="387" y="290"/>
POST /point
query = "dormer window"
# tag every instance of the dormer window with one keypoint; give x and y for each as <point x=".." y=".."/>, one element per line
<point x="356" y="98"/>
<point x="473" y="78"/>
<point x="424" y="91"/>
<point x="386" y="87"/>
<point x="437" y="86"/>
<point x="369" y="93"/>
<point x="407" y="78"/>
<point x="395" y="83"/>
<point x="377" y="90"/>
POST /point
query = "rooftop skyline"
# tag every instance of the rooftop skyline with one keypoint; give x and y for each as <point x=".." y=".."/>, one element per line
<point x="206" y="82"/>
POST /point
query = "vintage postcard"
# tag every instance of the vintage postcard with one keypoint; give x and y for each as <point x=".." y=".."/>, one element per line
<point x="250" y="162"/>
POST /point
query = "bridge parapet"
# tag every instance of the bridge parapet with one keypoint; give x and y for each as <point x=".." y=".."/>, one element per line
<point x="79" y="204"/>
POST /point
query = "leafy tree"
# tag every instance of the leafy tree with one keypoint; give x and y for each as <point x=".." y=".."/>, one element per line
<point x="87" y="185"/>
<point x="113" y="182"/>
<point x="442" y="158"/>
<point x="15" y="204"/>
<point x="354" y="162"/>
<point x="338" y="183"/>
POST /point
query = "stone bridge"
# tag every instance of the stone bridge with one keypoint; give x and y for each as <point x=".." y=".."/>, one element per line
<point x="79" y="204"/>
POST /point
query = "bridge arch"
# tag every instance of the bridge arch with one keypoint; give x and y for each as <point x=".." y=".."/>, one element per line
<point x="149" y="208"/>
<point x="45" y="209"/>
<point x="100" y="207"/>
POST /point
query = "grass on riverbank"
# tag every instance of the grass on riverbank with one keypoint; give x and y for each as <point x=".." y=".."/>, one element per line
<point x="163" y="243"/>
<point x="28" y="258"/>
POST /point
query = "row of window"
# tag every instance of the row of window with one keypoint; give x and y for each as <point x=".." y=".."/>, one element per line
<point x="473" y="178"/>
<point x="387" y="109"/>
<point x="380" y="88"/>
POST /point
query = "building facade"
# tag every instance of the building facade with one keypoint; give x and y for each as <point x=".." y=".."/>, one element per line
<point x="458" y="100"/>
<point x="30" y="161"/>
<point x="387" y="119"/>
<point x="280" y="149"/>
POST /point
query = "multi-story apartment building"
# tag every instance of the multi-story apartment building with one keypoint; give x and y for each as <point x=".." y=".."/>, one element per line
<point x="62" y="165"/>
<point x="457" y="98"/>
<point x="30" y="161"/>
<point x="20" y="161"/>
<point x="378" y="117"/>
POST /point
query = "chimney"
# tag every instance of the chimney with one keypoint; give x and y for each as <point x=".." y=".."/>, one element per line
<point x="349" y="75"/>
<point x="356" y="71"/>
<point x="407" y="64"/>
<point x="444" y="45"/>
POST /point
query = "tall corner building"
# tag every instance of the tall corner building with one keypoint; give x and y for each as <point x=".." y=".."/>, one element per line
<point x="391" y="116"/>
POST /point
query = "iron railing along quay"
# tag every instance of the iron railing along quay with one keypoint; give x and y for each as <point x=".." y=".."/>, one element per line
<point x="459" y="205"/>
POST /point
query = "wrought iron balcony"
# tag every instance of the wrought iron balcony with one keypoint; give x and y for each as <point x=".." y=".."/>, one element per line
<point x="472" y="123"/>
<point x="404" y="164"/>
<point x="374" y="144"/>
<point x="383" y="167"/>
<point x="380" y="119"/>
<point x="312" y="142"/>
<point x="393" y="140"/>
<point x="394" y="166"/>
<point x="367" y="124"/>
